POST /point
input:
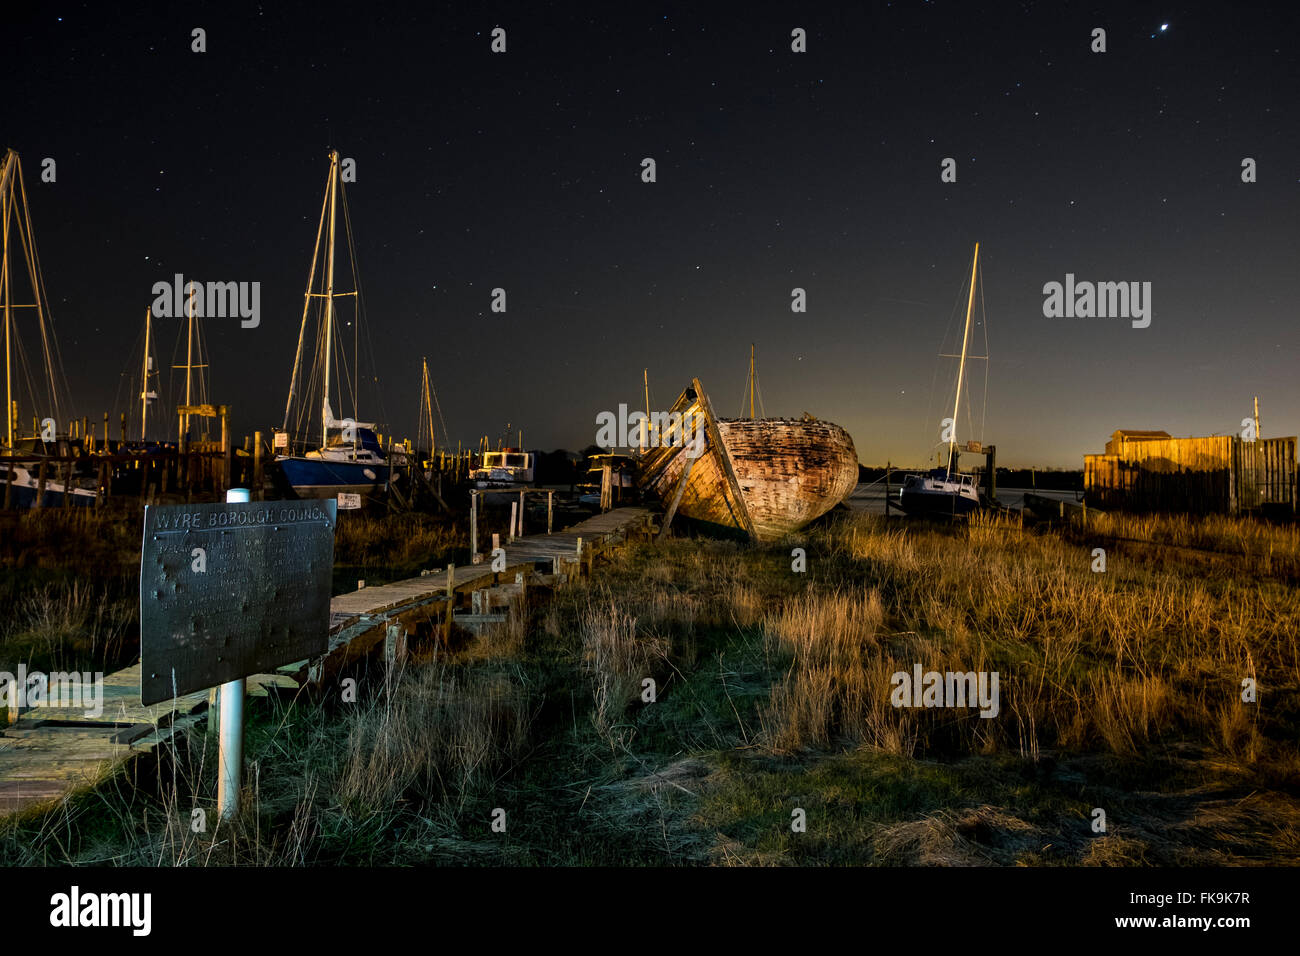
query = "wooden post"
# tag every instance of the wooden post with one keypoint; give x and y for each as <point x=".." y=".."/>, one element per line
<point x="888" y="467"/>
<point x="550" y="508"/>
<point x="40" y="484"/>
<point x="67" y="484"/>
<point x="514" y="512"/>
<point x="724" y="458"/>
<point x="606" y="487"/>
<point x="257" y="466"/>
<point x="106" y="436"/>
<point x="677" y="496"/>
<point x="473" y="527"/>
<point x="227" y="453"/>
<point x="521" y="513"/>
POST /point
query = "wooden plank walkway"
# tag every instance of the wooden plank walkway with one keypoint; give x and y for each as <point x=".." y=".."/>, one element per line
<point x="50" y="752"/>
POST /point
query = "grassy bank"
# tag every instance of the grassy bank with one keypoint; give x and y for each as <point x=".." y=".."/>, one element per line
<point x="1120" y="691"/>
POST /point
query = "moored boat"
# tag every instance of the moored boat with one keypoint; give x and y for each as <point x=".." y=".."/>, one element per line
<point x="25" y="488"/>
<point x="945" y="491"/>
<point x="941" y="492"/>
<point x="506" y="468"/>
<point x="350" y="457"/>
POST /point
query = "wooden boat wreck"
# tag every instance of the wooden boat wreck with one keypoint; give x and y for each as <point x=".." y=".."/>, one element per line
<point x="762" y="477"/>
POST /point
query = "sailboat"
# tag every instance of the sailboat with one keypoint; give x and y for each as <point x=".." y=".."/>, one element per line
<point x="426" y="440"/>
<point x="21" y="485"/>
<point x="945" y="490"/>
<point x="349" y="457"/>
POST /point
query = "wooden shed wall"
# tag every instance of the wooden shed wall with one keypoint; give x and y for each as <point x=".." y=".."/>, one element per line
<point x="1221" y="473"/>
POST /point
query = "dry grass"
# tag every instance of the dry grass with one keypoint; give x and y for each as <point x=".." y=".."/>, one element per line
<point x="76" y="624"/>
<point x="440" y="733"/>
<point x="618" y="657"/>
<point x="1123" y="689"/>
<point x="1114" y="659"/>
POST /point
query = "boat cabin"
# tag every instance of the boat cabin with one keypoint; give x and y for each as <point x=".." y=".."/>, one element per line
<point x="501" y="469"/>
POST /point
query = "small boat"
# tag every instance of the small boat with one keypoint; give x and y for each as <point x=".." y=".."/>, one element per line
<point x="350" y="461"/>
<point x="25" y="488"/>
<point x="945" y="490"/>
<point x="349" y="457"/>
<point x="941" y="492"/>
<point x="506" y="468"/>
<point x="762" y="477"/>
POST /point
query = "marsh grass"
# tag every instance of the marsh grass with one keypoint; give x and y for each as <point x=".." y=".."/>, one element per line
<point x="1119" y="689"/>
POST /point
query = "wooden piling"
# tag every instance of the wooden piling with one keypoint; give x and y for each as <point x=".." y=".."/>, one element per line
<point x="227" y="453"/>
<point x="40" y="484"/>
<point x="473" y="527"/>
<point x="257" y="465"/>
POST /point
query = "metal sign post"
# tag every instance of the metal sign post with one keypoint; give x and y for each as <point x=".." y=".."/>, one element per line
<point x="230" y="741"/>
<point x="227" y="591"/>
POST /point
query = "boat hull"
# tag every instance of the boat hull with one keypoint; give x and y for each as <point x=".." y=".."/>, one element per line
<point x="789" y="472"/>
<point x="936" y="503"/>
<point x="24" y="489"/>
<point x="317" y="477"/>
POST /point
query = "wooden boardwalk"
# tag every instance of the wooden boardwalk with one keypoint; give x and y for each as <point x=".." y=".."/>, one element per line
<point x="47" y="753"/>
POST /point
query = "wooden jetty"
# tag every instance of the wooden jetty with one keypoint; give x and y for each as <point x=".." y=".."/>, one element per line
<point x="47" y="753"/>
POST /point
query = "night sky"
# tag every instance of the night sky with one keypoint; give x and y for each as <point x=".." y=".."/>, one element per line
<point x="775" y="170"/>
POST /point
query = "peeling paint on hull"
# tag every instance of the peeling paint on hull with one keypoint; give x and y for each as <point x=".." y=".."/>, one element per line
<point x="789" y="471"/>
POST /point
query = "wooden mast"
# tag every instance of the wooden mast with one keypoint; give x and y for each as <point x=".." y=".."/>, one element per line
<point x="14" y="205"/>
<point x="144" y="380"/>
<point x="961" y="371"/>
<point x="426" y="410"/>
<point x="645" y="425"/>
<point x="189" y="363"/>
<point x="306" y="303"/>
<point x="751" y="380"/>
<point x="329" y="297"/>
<point x="6" y="188"/>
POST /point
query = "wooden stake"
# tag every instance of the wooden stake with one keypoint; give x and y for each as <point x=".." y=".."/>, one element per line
<point x="257" y="465"/>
